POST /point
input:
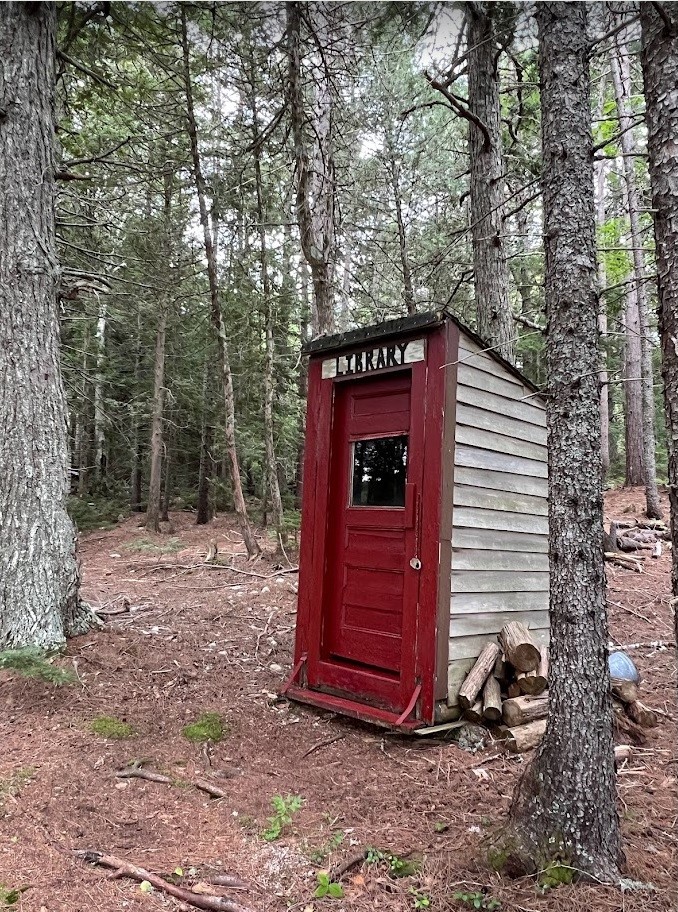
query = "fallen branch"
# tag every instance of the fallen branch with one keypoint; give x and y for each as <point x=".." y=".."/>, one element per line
<point x="136" y="771"/>
<point x="122" y="868"/>
<point x="344" y="867"/>
<point x="320" y="744"/>
<point x="212" y="790"/>
<point x="623" y="560"/>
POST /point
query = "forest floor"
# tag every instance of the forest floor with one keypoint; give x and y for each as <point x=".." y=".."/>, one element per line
<point x="205" y="640"/>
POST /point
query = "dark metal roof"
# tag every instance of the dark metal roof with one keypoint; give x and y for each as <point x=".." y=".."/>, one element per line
<point x="392" y="328"/>
<point x="385" y="330"/>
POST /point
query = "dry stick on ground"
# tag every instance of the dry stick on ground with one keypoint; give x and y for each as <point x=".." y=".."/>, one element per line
<point x="211" y="789"/>
<point x="320" y="744"/>
<point x="122" y="868"/>
<point x="136" y="771"/>
<point x="344" y="867"/>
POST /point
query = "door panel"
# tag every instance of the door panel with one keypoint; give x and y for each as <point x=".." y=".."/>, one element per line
<point x="370" y="590"/>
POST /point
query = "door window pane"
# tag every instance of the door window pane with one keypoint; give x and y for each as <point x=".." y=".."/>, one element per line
<point x="379" y="472"/>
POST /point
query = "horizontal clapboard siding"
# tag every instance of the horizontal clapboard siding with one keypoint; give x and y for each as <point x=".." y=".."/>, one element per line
<point x="497" y="443"/>
<point x="499" y="424"/>
<point x="500" y="564"/>
<point x="499" y="560"/>
<point x="481" y="602"/>
<point x="501" y="481"/>
<point x="491" y="499"/>
<point x="501" y="520"/>
<point x="498" y="580"/>
<point x="493" y="540"/>
<point x="473" y="458"/>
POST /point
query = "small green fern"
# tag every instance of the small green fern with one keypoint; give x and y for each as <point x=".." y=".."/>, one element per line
<point x="32" y="662"/>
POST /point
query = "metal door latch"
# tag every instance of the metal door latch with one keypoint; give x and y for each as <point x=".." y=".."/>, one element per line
<point x="415" y="563"/>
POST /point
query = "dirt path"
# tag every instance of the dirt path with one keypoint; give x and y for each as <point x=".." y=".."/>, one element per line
<point x="200" y="640"/>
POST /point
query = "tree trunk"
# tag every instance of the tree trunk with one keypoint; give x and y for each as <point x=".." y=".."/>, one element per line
<point x="153" y="508"/>
<point x="316" y="180"/>
<point x="99" y="415"/>
<point x="205" y="470"/>
<point x="602" y="311"/>
<point x="633" y="390"/>
<point x="249" y="539"/>
<point x="81" y="447"/>
<point x="491" y="282"/>
<point x="621" y="77"/>
<point x="167" y="477"/>
<point x="394" y="173"/>
<point x="269" y="360"/>
<point x="564" y="808"/>
<point x="39" y="602"/>
<point x="135" y="454"/>
<point x="660" y="74"/>
<point x="304" y="315"/>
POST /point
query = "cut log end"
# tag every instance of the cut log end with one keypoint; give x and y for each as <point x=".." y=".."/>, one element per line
<point x="519" y="647"/>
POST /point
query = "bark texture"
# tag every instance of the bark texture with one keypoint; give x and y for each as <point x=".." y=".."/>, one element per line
<point x="493" y="312"/>
<point x="38" y="570"/>
<point x="153" y="508"/>
<point x="621" y="77"/>
<point x="600" y="173"/>
<point x="564" y="808"/>
<point x="313" y="135"/>
<point x="660" y="73"/>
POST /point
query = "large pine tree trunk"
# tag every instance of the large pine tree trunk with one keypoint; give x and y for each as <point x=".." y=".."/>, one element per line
<point x="269" y="359"/>
<point x="38" y="571"/>
<point x="313" y="134"/>
<point x="602" y="325"/>
<point x="153" y="508"/>
<point x="240" y="506"/>
<point x="621" y="77"/>
<point x="204" y="508"/>
<point x="100" y="466"/>
<point x="633" y="392"/>
<point x="660" y="74"/>
<point x="491" y="282"/>
<point x="564" y="808"/>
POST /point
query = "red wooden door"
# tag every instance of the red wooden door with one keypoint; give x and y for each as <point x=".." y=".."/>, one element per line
<point x="371" y="581"/>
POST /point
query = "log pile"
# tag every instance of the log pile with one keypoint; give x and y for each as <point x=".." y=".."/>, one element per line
<point x="507" y="690"/>
<point x="627" y="538"/>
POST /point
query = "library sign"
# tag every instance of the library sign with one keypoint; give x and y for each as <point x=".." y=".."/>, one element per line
<point x="374" y="359"/>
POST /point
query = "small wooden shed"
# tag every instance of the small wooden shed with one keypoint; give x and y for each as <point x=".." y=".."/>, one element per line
<point x="424" y="518"/>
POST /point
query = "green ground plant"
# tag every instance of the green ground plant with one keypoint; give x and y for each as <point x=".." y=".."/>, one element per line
<point x="31" y="662"/>
<point x="477" y="900"/>
<point x="283" y="811"/>
<point x="10" y="896"/>
<point x="327" y="888"/>
<point x="208" y="727"/>
<point x="151" y="546"/>
<point x="318" y="854"/>
<point x="110" y="727"/>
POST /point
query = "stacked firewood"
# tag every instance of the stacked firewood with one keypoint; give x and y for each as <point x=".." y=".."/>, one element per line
<point x="627" y="538"/>
<point x="507" y="690"/>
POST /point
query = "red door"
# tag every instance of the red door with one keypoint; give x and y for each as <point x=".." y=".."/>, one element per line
<point x="371" y="578"/>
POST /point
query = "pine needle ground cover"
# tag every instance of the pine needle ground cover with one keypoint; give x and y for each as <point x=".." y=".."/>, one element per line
<point x="217" y="641"/>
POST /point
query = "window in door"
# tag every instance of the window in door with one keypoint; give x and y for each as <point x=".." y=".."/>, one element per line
<point x="379" y="472"/>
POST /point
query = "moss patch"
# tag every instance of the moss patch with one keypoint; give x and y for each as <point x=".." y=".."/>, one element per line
<point x="152" y="546"/>
<point x="555" y="875"/>
<point x="209" y="727"/>
<point x="110" y="727"/>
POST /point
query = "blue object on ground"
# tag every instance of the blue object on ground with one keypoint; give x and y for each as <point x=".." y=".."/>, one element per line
<point x="621" y="666"/>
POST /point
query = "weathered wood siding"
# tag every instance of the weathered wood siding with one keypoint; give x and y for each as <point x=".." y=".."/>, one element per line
<point x="499" y="519"/>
